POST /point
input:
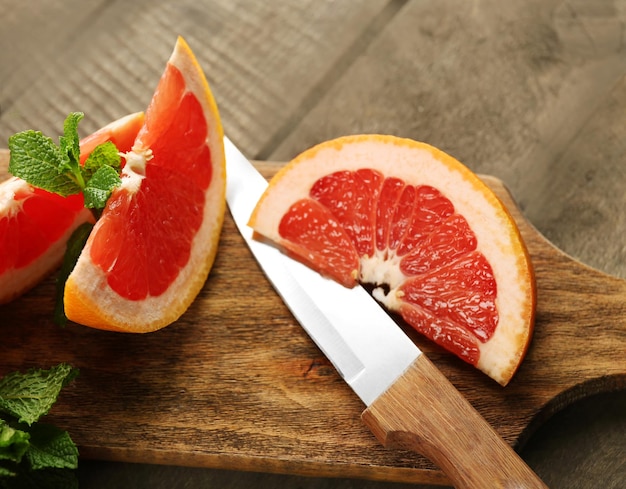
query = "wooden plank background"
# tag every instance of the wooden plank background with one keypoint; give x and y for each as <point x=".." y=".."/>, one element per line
<point x="533" y="92"/>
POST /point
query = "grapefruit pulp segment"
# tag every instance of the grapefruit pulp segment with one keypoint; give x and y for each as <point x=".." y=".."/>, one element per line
<point x="313" y="234"/>
<point x="35" y="224"/>
<point x="436" y="243"/>
<point x="154" y="245"/>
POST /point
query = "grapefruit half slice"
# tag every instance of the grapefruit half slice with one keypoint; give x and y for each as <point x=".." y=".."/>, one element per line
<point x="436" y="243"/>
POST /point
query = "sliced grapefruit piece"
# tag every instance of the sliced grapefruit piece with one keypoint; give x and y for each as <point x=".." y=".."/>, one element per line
<point x="152" y="249"/>
<point x="35" y="225"/>
<point x="436" y="243"/>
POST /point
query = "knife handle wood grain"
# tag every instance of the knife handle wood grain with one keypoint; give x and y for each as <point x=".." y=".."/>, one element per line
<point x="423" y="412"/>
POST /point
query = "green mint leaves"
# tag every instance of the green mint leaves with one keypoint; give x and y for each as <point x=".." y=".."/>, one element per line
<point x="13" y="444"/>
<point x="32" y="452"/>
<point x="36" y="159"/>
<point x="29" y="396"/>
<point x="102" y="172"/>
<point x="56" y="168"/>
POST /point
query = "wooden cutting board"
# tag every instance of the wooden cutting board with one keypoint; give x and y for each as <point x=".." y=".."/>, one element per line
<point x="237" y="384"/>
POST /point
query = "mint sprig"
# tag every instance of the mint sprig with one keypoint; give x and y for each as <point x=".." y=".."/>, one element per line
<point x="56" y="168"/>
<point x="31" y="452"/>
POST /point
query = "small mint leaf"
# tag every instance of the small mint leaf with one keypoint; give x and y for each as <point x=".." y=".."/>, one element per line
<point x="36" y="159"/>
<point x="51" y="448"/>
<point x="28" y="396"/>
<point x="13" y="443"/>
<point x="104" y="154"/>
<point x="69" y="143"/>
<point x="100" y="186"/>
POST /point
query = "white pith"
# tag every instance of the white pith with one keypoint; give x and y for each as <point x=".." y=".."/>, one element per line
<point x="418" y="166"/>
<point x="134" y="170"/>
<point x="383" y="267"/>
<point x="9" y="206"/>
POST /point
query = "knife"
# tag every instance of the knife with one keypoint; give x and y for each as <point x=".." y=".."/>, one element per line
<point x="410" y="403"/>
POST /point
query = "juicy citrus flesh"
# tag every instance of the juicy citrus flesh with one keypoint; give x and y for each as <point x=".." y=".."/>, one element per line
<point x="152" y="249"/>
<point x="127" y="229"/>
<point x="437" y="244"/>
<point x="35" y="224"/>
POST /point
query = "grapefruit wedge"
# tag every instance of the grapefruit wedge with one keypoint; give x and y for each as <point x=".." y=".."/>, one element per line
<point x="436" y="243"/>
<point x="35" y="225"/>
<point x="152" y="249"/>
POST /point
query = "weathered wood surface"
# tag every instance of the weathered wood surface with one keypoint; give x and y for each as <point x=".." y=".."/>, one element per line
<point x="236" y="383"/>
<point x="532" y="92"/>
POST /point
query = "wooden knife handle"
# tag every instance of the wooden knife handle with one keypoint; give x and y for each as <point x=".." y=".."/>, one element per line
<point x="423" y="412"/>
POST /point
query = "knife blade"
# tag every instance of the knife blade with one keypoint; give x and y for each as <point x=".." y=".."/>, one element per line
<point x="410" y="404"/>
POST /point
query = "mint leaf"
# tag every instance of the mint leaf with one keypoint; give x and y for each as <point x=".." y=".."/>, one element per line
<point x="36" y="159"/>
<point x="103" y="154"/>
<point x="29" y="396"/>
<point x="102" y="170"/>
<point x="51" y="447"/>
<point x="75" y="245"/>
<point x="100" y="186"/>
<point x="69" y="143"/>
<point x="13" y="443"/>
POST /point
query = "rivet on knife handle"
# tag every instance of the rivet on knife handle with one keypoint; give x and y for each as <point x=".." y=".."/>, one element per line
<point x="423" y="412"/>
